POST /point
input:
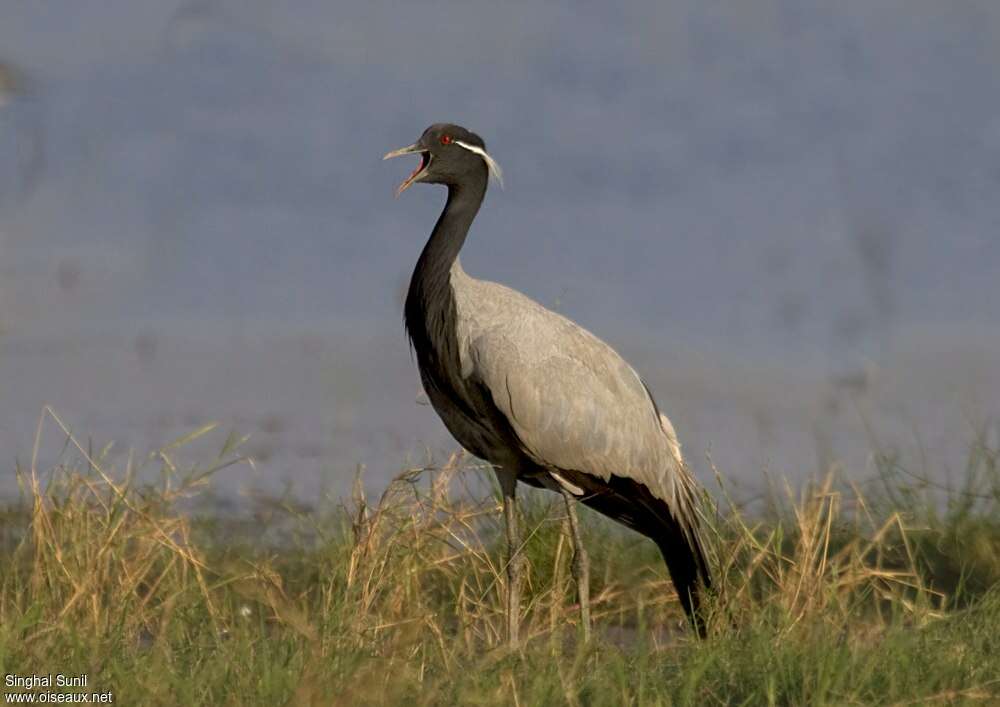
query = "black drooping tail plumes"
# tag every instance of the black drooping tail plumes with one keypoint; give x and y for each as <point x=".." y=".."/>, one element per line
<point x="690" y="576"/>
<point x="675" y="532"/>
<point x="678" y="535"/>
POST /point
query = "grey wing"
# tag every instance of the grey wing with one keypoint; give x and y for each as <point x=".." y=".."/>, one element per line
<point x="581" y="412"/>
<point x="575" y="404"/>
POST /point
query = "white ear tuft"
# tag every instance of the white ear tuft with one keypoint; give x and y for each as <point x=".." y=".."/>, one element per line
<point x="491" y="163"/>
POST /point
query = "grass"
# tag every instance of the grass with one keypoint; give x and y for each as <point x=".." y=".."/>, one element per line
<point x="827" y="595"/>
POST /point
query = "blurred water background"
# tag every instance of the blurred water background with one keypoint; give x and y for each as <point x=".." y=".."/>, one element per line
<point x="785" y="213"/>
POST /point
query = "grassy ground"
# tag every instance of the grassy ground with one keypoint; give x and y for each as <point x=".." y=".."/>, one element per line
<point x="828" y="595"/>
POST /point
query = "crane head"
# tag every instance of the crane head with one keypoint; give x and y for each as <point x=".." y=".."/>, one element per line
<point x="449" y="154"/>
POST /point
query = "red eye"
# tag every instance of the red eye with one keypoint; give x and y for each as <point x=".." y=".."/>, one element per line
<point x="446" y="139"/>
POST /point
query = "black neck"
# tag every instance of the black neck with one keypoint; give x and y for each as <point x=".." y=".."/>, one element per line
<point x="429" y="301"/>
<point x="450" y="231"/>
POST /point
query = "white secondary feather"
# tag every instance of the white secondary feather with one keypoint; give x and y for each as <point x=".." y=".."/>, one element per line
<point x="490" y="162"/>
<point x="572" y="488"/>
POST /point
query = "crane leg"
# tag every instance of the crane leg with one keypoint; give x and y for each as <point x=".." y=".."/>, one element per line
<point x="515" y="560"/>
<point x="580" y="566"/>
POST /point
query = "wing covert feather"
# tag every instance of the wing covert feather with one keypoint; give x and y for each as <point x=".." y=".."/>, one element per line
<point x="577" y="406"/>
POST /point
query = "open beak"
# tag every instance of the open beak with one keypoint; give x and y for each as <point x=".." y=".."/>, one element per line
<point x="425" y="160"/>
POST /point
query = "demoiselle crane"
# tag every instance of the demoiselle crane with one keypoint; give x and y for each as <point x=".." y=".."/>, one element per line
<point x="543" y="400"/>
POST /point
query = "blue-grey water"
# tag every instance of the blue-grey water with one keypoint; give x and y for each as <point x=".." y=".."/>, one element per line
<point x="786" y="214"/>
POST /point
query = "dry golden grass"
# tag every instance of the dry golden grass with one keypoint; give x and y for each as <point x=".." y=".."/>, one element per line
<point x="401" y="598"/>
